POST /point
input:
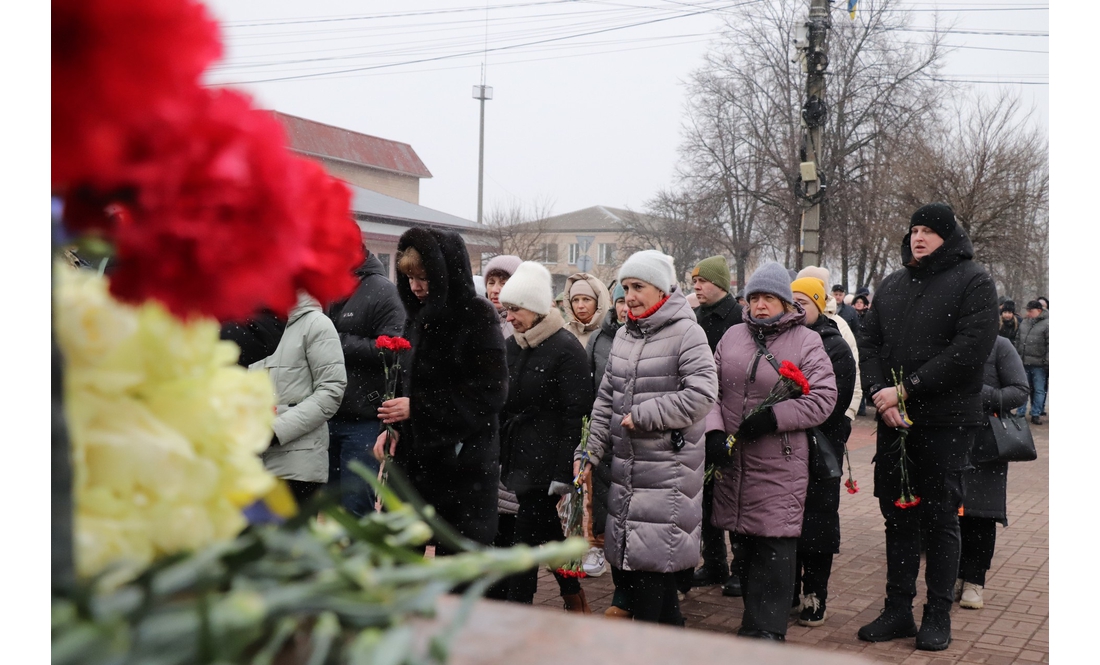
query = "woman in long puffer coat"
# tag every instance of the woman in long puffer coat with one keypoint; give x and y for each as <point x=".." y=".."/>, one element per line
<point x="761" y="494"/>
<point x="647" y="423"/>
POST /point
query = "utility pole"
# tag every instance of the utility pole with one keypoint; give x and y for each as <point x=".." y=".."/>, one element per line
<point x="811" y="43"/>
<point x="481" y="92"/>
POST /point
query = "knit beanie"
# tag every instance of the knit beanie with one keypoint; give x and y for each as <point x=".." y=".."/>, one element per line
<point x="617" y="294"/>
<point x="652" y="267"/>
<point x="715" y="270"/>
<point x="1034" y="304"/>
<point x="506" y="263"/>
<point x="812" y="288"/>
<point x="937" y="216"/>
<point x="1008" y="306"/>
<point x="817" y="272"/>
<point x="771" y="278"/>
<point x="581" y="287"/>
<point x="529" y="287"/>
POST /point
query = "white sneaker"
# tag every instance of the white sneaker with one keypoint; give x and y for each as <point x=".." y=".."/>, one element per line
<point x="593" y="562"/>
<point x="971" y="597"/>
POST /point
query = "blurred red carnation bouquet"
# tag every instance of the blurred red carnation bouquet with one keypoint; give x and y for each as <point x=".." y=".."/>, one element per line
<point x="792" y="383"/>
<point x="192" y="189"/>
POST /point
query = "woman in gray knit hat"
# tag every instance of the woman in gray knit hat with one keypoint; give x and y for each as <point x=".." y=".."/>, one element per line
<point x="760" y="495"/>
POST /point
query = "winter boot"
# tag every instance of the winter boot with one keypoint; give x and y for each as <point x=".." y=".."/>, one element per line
<point x="971" y="597"/>
<point x="896" y="620"/>
<point x="813" y="611"/>
<point x="935" y="628"/>
<point x="615" y="612"/>
<point x="732" y="587"/>
<point x="576" y="602"/>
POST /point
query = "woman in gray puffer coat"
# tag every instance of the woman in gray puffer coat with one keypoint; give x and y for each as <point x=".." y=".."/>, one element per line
<point x="647" y="423"/>
<point x="307" y="370"/>
<point x="760" y="496"/>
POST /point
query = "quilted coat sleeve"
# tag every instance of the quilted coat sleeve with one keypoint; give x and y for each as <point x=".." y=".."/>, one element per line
<point x="813" y="409"/>
<point x="1012" y="376"/>
<point x="697" y="392"/>
<point x="326" y="365"/>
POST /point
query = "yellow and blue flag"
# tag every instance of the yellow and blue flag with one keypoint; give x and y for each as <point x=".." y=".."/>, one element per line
<point x="852" y="8"/>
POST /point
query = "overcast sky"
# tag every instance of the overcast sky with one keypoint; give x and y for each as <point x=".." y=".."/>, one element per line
<point x="589" y="116"/>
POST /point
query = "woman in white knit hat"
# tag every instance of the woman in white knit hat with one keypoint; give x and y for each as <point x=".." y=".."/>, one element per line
<point x="549" y="392"/>
<point x="648" y="424"/>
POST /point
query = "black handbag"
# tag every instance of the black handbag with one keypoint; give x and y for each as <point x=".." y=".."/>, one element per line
<point x="1013" y="437"/>
<point x="824" y="464"/>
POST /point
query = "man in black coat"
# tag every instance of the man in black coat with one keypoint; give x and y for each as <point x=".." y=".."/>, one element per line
<point x="373" y="310"/>
<point x="717" y="312"/>
<point x="820" y="538"/>
<point x="932" y="326"/>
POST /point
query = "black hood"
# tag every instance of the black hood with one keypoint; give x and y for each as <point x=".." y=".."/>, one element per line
<point x="955" y="248"/>
<point x="450" y="277"/>
<point x="610" y="323"/>
<point x="370" y="266"/>
<point x="825" y="327"/>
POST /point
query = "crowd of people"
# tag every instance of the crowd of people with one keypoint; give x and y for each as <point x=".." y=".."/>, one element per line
<point x="688" y="443"/>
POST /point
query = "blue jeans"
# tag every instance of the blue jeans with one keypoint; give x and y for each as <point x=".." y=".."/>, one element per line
<point x="352" y="440"/>
<point x="1037" y="377"/>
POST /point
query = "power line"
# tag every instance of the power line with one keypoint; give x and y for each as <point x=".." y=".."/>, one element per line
<point x="495" y="49"/>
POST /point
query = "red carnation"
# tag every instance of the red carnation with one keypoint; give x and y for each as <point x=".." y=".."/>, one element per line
<point x="216" y="227"/>
<point x="907" y="501"/>
<point x="852" y="486"/>
<point x="396" y="344"/>
<point x="790" y="370"/>
<point x="335" y="244"/>
<point x="119" y="67"/>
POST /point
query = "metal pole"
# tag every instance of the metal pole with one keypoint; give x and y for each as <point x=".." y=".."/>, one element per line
<point x="481" y="161"/>
<point x="814" y="115"/>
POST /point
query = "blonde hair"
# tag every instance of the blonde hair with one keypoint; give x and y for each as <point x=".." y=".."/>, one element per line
<point x="410" y="263"/>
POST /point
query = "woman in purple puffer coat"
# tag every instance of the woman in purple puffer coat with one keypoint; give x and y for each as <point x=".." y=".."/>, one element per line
<point x="760" y="496"/>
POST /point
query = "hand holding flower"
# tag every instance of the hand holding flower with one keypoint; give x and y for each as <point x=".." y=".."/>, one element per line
<point x="380" y="445"/>
<point x="394" y="410"/>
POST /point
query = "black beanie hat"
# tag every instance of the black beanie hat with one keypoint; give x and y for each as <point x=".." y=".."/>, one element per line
<point x="937" y="216"/>
<point x="1008" y="306"/>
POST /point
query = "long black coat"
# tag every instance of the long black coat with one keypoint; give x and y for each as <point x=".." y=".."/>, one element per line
<point x="1005" y="387"/>
<point x="549" y="392"/>
<point x="936" y="322"/>
<point x="599" y="350"/>
<point x="373" y="310"/>
<point x="456" y="379"/>
<point x="821" y="519"/>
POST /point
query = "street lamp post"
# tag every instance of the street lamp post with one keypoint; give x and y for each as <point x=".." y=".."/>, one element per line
<point x="482" y="93"/>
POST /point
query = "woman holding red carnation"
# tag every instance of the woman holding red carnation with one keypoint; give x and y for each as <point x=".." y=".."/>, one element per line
<point x="453" y="386"/>
<point x="760" y="496"/>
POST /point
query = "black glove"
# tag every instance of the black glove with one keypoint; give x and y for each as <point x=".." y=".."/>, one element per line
<point x="716" y="451"/>
<point x="757" y="425"/>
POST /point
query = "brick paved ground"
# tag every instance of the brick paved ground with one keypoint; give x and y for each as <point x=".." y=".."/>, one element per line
<point x="1012" y="627"/>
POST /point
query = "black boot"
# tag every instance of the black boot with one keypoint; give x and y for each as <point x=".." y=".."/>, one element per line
<point x="732" y="587"/>
<point x="895" y="621"/>
<point x="709" y="574"/>
<point x="935" y="628"/>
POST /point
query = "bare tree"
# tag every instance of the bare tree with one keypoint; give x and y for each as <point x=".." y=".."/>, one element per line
<point x="990" y="165"/>
<point x="743" y="138"/>
<point x="672" y="223"/>
<point x="517" y="228"/>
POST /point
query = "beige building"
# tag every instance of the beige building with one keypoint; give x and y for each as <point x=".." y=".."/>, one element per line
<point x="384" y="177"/>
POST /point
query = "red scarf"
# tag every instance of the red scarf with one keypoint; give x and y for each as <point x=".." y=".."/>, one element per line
<point x="648" y="312"/>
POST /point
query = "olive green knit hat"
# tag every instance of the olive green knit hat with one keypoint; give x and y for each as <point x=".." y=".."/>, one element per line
<point x="715" y="270"/>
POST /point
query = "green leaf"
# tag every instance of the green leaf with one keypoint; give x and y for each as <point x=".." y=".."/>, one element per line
<point x="374" y="646"/>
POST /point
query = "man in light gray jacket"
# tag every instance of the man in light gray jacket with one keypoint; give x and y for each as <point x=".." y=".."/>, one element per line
<point x="307" y="371"/>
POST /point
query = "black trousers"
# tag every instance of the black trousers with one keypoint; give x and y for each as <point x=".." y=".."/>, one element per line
<point x="979" y="539"/>
<point x="537" y="523"/>
<point x="506" y="537"/>
<point x="767" y="569"/>
<point x="714" y="538"/>
<point x="936" y="459"/>
<point x="303" y="490"/>
<point x="652" y="596"/>
<point x="812" y="574"/>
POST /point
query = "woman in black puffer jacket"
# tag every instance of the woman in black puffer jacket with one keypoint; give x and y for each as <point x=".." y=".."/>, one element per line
<point x="549" y="392"/>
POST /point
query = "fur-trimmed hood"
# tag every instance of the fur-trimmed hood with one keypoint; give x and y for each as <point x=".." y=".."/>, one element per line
<point x="450" y="277"/>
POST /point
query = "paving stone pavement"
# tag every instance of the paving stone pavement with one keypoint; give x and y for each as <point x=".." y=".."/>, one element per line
<point x="1013" y="627"/>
